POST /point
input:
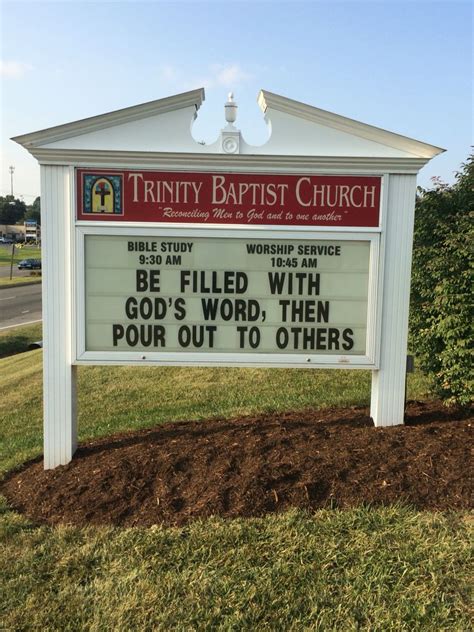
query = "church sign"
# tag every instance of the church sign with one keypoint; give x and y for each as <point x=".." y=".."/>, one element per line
<point x="161" y="250"/>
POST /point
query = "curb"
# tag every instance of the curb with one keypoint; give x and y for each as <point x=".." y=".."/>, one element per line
<point x="8" y="287"/>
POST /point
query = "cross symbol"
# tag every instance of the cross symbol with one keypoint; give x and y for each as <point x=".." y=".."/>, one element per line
<point x="102" y="189"/>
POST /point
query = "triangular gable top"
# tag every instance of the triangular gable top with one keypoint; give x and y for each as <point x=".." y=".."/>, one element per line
<point x="192" y="99"/>
<point x="270" y="102"/>
<point x="164" y="126"/>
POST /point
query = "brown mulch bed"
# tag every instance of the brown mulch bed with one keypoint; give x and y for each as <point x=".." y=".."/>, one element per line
<point x="255" y="465"/>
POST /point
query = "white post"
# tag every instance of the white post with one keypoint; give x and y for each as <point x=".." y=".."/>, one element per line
<point x="59" y="376"/>
<point x="388" y="383"/>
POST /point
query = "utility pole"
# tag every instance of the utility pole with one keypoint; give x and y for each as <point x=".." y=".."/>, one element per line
<point x="11" y="168"/>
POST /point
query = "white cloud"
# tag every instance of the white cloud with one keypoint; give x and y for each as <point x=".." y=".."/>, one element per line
<point x="168" y="72"/>
<point x="14" y="69"/>
<point x="200" y="82"/>
<point x="217" y="75"/>
<point x="231" y="75"/>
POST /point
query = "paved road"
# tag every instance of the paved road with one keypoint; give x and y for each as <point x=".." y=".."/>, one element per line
<point x="20" y="305"/>
<point x="5" y="272"/>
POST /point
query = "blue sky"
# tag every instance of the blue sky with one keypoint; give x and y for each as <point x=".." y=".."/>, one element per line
<point x="402" y="66"/>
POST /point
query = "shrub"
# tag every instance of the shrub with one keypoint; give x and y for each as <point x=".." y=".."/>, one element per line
<point x="441" y="307"/>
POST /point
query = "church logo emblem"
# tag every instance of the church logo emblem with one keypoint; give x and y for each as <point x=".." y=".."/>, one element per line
<point x="102" y="194"/>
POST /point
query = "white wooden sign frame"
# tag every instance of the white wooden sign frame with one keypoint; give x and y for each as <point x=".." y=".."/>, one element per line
<point x="156" y="136"/>
<point x="392" y="239"/>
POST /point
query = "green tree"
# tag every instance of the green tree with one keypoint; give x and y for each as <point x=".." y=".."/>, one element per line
<point x="33" y="211"/>
<point x="441" y="304"/>
<point x="12" y="210"/>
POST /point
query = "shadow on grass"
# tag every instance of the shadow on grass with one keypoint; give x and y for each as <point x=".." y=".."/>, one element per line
<point x="13" y="345"/>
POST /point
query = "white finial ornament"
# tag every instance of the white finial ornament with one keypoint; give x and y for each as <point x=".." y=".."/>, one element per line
<point x="230" y="109"/>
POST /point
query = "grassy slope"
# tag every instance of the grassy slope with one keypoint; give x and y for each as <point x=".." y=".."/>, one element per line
<point x="384" y="569"/>
<point x="113" y="399"/>
<point x="17" y="339"/>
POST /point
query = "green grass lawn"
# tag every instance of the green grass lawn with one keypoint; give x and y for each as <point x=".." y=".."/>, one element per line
<point x="363" y="569"/>
<point x="390" y="569"/>
<point x="23" y="252"/>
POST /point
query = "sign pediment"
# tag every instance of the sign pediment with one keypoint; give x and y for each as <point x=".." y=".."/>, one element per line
<point x="336" y="133"/>
<point x="175" y="114"/>
<point x="164" y="126"/>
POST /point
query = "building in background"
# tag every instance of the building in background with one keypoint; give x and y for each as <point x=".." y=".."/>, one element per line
<point x="32" y="230"/>
<point x="29" y="231"/>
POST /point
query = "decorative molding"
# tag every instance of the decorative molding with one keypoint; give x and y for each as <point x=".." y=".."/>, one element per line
<point x="111" y="119"/>
<point x="224" y="162"/>
<point x="230" y="142"/>
<point x="268" y="101"/>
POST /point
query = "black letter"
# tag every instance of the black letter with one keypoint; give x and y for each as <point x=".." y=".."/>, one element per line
<point x="282" y="332"/>
<point x="180" y="312"/>
<point x="349" y="342"/>
<point x="131" y="308"/>
<point x="117" y="333"/>
<point x="154" y="280"/>
<point x="142" y="283"/>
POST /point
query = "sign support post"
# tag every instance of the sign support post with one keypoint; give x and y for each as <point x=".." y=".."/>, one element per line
<point x="59" y="377"/>
<point x="388" y="382"/>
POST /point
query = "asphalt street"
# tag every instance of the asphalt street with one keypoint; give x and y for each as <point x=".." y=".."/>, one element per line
<point x="5" y="272"/>
<point x="20" y="305"/>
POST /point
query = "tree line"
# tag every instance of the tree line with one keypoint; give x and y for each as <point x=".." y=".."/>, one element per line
<point x="15" y="211"/>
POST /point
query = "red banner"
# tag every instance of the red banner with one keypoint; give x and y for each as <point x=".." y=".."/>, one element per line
<point x="228" y="198"/>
